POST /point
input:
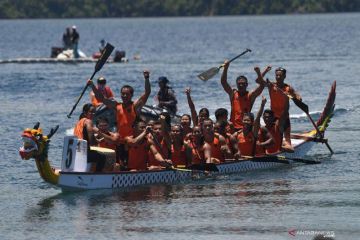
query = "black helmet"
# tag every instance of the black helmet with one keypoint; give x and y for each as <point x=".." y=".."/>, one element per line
<point x="163" y="79"/>
<point x="101" y="80"/>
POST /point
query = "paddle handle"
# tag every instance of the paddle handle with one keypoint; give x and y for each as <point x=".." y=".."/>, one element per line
<point x="318" y="132"/>
<point x="82" y="93"/>
<point x="244" y="52"/>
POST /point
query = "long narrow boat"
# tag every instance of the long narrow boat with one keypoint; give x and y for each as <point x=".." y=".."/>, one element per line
<point x="74" y="174"/>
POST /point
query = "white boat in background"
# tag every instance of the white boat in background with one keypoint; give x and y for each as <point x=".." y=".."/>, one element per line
<point x="74" y="173"/>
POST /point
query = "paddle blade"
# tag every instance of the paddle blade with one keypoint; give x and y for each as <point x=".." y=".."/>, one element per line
<point x="209" y="73"/>
<point x="301" y="105"/>
<point x="104" y="56"/>
<point x="211" y="167"/>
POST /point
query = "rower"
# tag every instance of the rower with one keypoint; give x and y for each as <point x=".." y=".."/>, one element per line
<point x="67" y="39"/>
<point x="84" y="129"/>
<point x="75" y="36"/>
<point x="104" y="89"/>
<point x="217" y="142"/>
<point x="203" y="113"/>
<point x="166" y="96"/>
<point x="272" y="126"/>
<point x="241" y="99"/>
<point x="185" y="123"/>
<point x="126" y="111"/>
<point x="180" y="150"/>
<point x="244" y="141"/>
<point x="104" y="137"/>
<point x="221" y="114"/>
<point x="279" y="92"/>
<point x="200" y="150"/>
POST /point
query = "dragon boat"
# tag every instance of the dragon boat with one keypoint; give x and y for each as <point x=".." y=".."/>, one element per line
<point x="74" y="173"/>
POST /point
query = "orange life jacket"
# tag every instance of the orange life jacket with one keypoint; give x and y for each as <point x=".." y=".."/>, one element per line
<point x="278" y="137"/>
<point x="239" y="106"/>
<point x="178" y="156"/>
<point x="163" y="150"/>
<point x="197" y="153"/>
<point x="216" y="149"/>
<point x="106" y="144"/>
<point x="106" y="92"/>
<point x="246" y="144"/>
<point x="79" y="128"/>
<point x="125" y="118"/>
<point x="278" y="99"/>
<point x="138" y="156"/>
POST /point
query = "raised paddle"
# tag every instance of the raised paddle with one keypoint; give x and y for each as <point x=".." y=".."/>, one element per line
<point x="99" y="64"/>
<point x="214" y="70"/>
<point x="305" y="109"/>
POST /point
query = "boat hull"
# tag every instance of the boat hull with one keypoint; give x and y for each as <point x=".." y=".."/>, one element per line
<point x="125" y="179"/>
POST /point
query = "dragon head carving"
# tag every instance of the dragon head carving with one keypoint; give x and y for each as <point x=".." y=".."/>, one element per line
<point x="35" y="144"/>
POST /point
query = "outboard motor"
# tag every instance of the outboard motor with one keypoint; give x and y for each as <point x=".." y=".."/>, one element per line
<point x="55" y="51"/>
<point x="119" y="55"/>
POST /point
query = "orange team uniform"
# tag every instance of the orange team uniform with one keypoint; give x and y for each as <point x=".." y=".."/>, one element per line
<point x="197" y="154"/>
<point x="178" y="156"/>
<point x="277" y="136"/>
<point x="125" y="119"/>
<point x="79" y="128"/>
<point x="163" y="151"/>
<point x="246" y="144"/>
<point x="278" y="99"/>
<point x="216" y="150"/>
<point x="239" y="106"/>
<point x="106" y="92"/>
<point x="138" y="156"/>
<point x="106" y="144"/>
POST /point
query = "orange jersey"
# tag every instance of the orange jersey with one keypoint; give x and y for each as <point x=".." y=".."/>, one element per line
<point x="106" y="92"/>
<point x="138" y="156"/>
<point x="278" y="99"/>
<point x="178" y="156"/>
<point x="239" y="106"/>
<point x="79" y="128"/>
<point x="125" y="118"/>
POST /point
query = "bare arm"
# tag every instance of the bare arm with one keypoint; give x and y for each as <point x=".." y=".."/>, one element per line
<point x="112" y="138"/>
<point x="224" y="147"/>
<point x="207" y="152"/>
<point x="158" y="157"/>
<point x="258" y="90"/>
<point x="235" y="146"/>
<point x="224" y="82"/>
<point x="258" y="116"/>
<point x="194" y="115"/>
<point x="131" y="141"/>
<point x="110" y="103"/>
<point x="141" y="101"/>
<point x="270" y="140"/>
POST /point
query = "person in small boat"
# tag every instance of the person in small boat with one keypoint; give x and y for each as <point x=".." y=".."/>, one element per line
<point x="139" y="146"/>
<point x="245" y="141"/>
<point x="126" y="111"/>
<point x="84" y="129"/>
<point x="221" y="114"/>
<point x="241" y="99"/>
<point x="203" y="113"/>
<point x="180" y="149"/>
<point x="218" y="146"/>
<point x="102" y="45"/>
<point x="104" y="89"/>
<point x="67" y="39"/>
<point x="104" y="137"/>
<point x="166" y="96"/>
<point x="75" y="37"/>
<point x="279" y="92"/>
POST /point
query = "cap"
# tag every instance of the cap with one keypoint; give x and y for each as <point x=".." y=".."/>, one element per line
<point x="73" y="27"/>
<point x="101" y="80"/>
<point x="163" y="79"/>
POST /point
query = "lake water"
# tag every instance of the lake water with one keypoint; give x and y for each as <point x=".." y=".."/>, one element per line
<point x="315" y="49"/>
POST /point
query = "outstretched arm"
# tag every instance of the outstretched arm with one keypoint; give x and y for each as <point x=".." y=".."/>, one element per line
<point x="194" y="115"/>
<point x="131" y="141"/>
<point x="258" y="90"/>
<point x="141" y="101"/>
<point x="258" y="116"/>
<point x="110" y="103"/>
<point x="224" y="82"/>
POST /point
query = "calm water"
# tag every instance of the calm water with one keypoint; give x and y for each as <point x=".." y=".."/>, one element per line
<point x="316" y="49"/>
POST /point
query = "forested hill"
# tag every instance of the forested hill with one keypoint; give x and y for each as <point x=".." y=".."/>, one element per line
<point x="152" y="8"/>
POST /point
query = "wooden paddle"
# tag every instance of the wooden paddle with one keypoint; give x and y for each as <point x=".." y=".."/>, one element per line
<point x="214" y="70"/>
<point x="99" y="64"/>
<point x="305" y="109"/>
